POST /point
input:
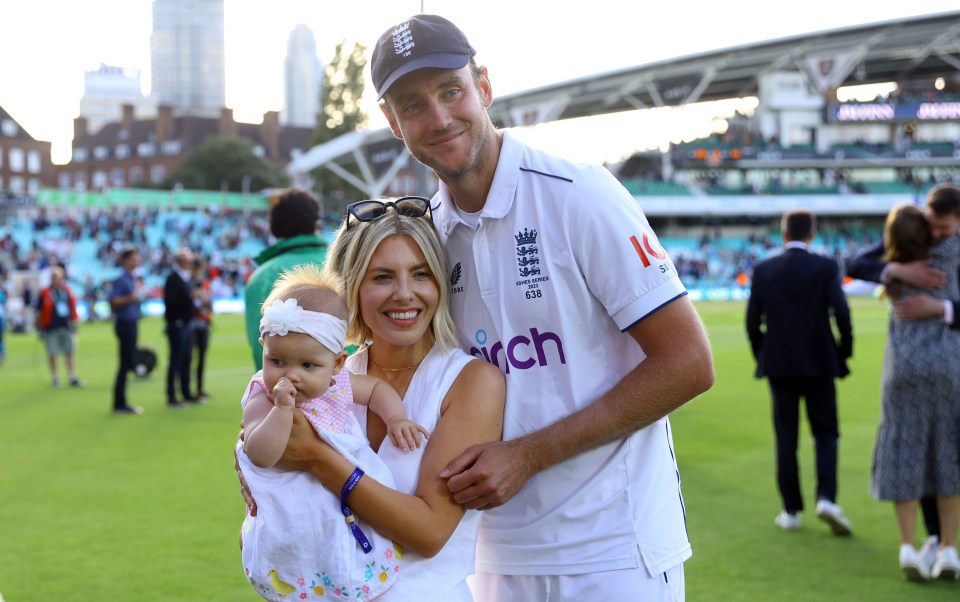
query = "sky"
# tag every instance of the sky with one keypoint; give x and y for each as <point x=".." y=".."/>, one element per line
<point x="46" y="45"/>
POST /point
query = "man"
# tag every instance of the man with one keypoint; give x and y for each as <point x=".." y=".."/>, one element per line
<point x="293" y="216"/>
<point x="792" y="299"/>
<point x="178" y="313"/>
<point x="558" y="280"/>
<point x="943" y="215"/>
<point x="125" y="296"/>
<point x="57" y="322"/>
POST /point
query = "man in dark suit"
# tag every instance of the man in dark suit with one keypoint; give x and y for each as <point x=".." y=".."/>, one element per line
<point x="178" y="311"/>
<point x="943" y="214"/>
<point x="791" y="301"/>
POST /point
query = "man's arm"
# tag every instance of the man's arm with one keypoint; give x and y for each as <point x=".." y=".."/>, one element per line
<point x="870" y="267"/>
<point x="678" y="367"/>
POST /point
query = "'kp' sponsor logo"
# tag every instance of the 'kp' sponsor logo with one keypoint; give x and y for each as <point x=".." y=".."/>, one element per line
<point x="659" y="254"/>
<point x="517" y="353"/>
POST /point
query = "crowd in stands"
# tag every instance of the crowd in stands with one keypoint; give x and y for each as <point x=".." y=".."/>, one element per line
<point x="85" y="242"/>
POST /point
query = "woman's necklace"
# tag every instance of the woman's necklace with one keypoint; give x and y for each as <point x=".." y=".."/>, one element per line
<point x="410" y="367"/>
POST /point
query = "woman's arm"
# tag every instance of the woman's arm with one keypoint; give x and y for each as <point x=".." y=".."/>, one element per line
<point x="471" y="413"/>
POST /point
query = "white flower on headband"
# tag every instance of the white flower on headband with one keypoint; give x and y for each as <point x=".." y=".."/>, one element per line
<point x="282" y="316"/>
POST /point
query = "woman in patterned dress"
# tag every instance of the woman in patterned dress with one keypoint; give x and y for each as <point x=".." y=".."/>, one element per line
<point x="918" y="440"/>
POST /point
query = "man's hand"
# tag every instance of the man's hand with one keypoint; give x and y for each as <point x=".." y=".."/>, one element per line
<point x="918" y="307"/>
<point x="918" y="273"/>
<point x="487" y="475"/>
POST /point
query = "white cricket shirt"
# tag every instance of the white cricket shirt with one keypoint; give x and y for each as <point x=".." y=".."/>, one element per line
<point x="561" y="262"/>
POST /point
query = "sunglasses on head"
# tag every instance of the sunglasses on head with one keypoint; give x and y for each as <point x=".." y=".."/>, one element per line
<point x="370" y="211"/>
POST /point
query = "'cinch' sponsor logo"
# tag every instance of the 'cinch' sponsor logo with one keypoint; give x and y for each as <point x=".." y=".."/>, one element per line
<point x="517" y="353"/>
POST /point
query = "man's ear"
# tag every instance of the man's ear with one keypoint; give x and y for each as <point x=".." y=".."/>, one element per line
<point x="393" y="122"/>
<point x="485" y="87"/>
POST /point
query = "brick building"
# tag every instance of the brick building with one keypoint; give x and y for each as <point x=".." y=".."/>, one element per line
<point x="25" y="163"/>
<point x="137" y="152"/>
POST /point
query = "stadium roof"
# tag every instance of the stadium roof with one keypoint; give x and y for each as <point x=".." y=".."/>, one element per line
<point x="923" y="47"/>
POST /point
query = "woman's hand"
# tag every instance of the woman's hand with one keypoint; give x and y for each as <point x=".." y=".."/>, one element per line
<point x="304" y="446"/>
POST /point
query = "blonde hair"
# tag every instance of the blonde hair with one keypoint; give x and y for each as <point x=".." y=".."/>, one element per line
<point x="349" y="257"/>
<point x="313" y="288"/>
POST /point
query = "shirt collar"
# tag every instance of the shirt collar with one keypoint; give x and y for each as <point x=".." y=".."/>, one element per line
<point x="795" y="244"/>
<point x="502" y="193"/>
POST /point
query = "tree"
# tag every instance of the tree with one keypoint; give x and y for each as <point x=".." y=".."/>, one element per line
<point x="227" y="160"/>
<point x="343" y="86"/>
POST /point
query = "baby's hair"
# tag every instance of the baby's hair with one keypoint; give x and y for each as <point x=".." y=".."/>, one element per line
<point x="314" y="290"/>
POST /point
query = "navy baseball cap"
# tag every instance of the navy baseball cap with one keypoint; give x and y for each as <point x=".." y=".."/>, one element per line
<point x="420" y="42"/>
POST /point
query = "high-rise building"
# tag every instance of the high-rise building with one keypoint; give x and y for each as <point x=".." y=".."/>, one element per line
<point x="303" y="75"/>
<point x="187" y="56"/>
<point x="107" y="90"/>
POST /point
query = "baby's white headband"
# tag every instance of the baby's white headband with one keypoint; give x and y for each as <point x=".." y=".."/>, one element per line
<point x="286" y="316"/>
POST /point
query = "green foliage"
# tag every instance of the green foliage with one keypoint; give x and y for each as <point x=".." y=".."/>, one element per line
<point x="147" y="508"/>
<point x="340" y="95"/>
<point x="227" y="160"/>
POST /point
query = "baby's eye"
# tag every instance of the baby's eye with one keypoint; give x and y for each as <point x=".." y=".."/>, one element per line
<point x="309" y="365"/>
<point x="276" y="362"/>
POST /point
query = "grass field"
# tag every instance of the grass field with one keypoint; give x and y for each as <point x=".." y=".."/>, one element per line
<point x="101" y="507"/>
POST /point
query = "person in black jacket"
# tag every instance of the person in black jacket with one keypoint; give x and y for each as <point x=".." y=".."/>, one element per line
<point x="943" y="215"/>
<point x="178" y="312"/>
<point x="792" y="298"/>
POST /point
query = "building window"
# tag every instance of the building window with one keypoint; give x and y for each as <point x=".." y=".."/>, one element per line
<point x="99" y="181"/>
<point x="63" y="180"/>
<point x="79" y="154"/>
<point x="116" y="177"/>
<point x="80" y="180"/>
<point x="146" y="149"/>
<point x="157" y="174"/>
<point x="135" y="175"/>
<point x="1" y="161"/>
<point x="16" y="185"/>
<point x="122" y="151"/>
<point x="16" y="159"/>
<point x="33" y="161"/>
<point x="100" y="153"/>
<point x="171" y="147"/>
<point x="9" y="128"/>
<point x="33" y="186"/>
<point x="258" y="151"/>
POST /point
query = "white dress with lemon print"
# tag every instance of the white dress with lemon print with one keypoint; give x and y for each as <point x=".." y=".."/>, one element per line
<point x="299" y="546"/>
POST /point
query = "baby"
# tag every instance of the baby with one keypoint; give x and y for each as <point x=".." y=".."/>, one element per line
<point x="298" y="541"/>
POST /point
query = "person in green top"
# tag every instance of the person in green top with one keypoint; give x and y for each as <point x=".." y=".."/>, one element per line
<point x="294" y="216"/>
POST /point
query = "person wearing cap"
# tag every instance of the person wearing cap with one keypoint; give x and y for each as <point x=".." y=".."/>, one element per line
<point x="559" y="281"/>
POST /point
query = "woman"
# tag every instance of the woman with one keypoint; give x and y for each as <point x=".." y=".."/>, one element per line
<point x="918" y="440"/>
<point x="389" y="257"/>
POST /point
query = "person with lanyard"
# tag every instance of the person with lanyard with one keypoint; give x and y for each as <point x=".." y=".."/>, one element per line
<point x="57" y="324"/>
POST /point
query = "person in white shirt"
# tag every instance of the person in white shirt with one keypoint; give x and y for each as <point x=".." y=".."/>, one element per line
<point x="558" y="280"/>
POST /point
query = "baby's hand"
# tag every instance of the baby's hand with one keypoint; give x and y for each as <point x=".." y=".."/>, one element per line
<point x="405" y="434"/>
<point x="284" y="393"/>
